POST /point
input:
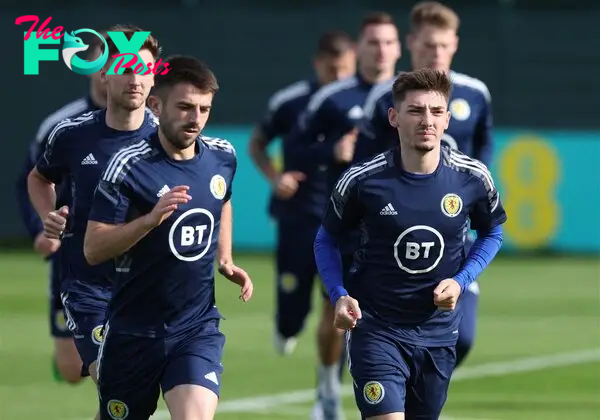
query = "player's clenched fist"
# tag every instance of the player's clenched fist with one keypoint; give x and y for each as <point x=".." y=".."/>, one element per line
<point x="56" y="222"/>
<point x="287" y="184"/>
<point x="168" y="203"/>
<point x="347" y="313"/>
<point x="445" y="295"/>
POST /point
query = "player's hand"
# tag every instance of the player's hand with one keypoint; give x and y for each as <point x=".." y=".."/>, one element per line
<point x="56" y="222"/>
<point x="167" y="204"/>
<point x="287" y="184"/>
<point x="238" y="276"/>
<point x="445" y="295"/>
<point x="45" y="246"/>
<point x="347" y="313"/>
<point x="343" y="151"/>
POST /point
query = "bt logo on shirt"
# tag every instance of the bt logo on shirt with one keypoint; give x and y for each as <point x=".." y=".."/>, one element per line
<point x="73" y="44"/>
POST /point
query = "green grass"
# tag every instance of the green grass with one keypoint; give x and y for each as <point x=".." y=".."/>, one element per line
<point x="529" y="308"/>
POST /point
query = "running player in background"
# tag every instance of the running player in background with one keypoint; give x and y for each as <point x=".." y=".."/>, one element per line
<point x="76" y="153"/>
<point x="163" y="210"/>
<point x="297" y="209"/>
<point x="66" y="361"/>
<point x="413" y="204"/>
<point x="323" y="140"/>
<point x="432" y="43"/>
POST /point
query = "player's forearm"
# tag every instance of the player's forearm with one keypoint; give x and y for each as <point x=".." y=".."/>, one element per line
<point x="41" y="194"/>
<point x="104" y="241"/>
<point x="258" y="153"/>
<point x="329" y="264"/>
<point x="483" y="251"/>
<point x="225" y="244"/>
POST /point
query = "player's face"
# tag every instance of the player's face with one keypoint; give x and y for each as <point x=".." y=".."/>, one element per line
<point x="183" y="113"/>
<point x="329" y="68"/>
<point x="379" y="48"/>
<point x="421" y="120"/>
<point x="129" y="90"/>
<point x="432" y="47"/>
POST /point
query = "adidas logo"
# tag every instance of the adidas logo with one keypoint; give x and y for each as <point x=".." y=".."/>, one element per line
<point x="388" y="210"/>
<point x="89" y="160"/>
<point x="163" y="191"/>
<point x="212" y="376"/>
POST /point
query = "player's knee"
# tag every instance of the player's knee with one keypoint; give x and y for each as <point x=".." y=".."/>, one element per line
<point x="191" y="402"/>
<point x="93" y="371"/>
<point x="67" y="361"/>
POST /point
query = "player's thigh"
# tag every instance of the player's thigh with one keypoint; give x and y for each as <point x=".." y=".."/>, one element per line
<point x="194" y="358"/>
<point x="428" y="389"/>
<point x="87" y="326"/>
<point x="129" y="369"/>
<point x="378" y="370"/>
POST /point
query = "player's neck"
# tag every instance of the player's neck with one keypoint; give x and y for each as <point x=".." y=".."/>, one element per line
<point x="373" y="77"/>
<point x="122" y="119"/>
<point x="173" y="152"/>
<point x="416" y="162"/>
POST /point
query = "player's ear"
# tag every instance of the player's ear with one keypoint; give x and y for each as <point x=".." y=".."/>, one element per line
<point x="103" y="78"/>
<point x="447" y="120"/>
<point x="392" y="115"/>
<point x="154" y="104"/>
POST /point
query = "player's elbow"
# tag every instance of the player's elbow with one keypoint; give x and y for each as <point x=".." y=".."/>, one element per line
<point x="36" y="181"/>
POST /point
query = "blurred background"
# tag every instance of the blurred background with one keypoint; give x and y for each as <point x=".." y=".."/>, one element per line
<point x="536" y="354"/>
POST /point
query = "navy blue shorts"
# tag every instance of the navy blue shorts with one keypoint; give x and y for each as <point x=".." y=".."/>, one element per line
<point x="57" y="317"/>
<point x="132" y="370"/>
<point x="296" y="272"/>
<point x="392" y="376"/>
<point x="85" y="320"/>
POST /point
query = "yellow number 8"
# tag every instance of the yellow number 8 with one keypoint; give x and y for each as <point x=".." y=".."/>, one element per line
<point x="529" y="172"/>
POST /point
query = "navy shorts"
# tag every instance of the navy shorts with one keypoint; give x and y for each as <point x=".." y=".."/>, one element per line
<point x="57" y="317"/>
<point x="392" y="376"/>
<point x="296" y="272"/>
<point x="85" y="320"/>
<point x="132" y="370"/>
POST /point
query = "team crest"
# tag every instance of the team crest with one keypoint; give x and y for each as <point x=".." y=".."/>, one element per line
<point x="451" y="205"/>
<point x="218" y="187"/>
<point x="98" y="336"/>
<point x="460" y="109"/>
<point x="288" y="282"/>
<point x="60" y="321"/>
<point x="373" y="392"/>
<point x="117" y="410"/>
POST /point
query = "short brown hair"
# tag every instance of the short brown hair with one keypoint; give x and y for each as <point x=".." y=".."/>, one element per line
<point x="185" y="69"/>
<point x="435" y="14"/>
<point x="423" y="79"/>
<point x="151" y="43"/>
<point x="376" y="18"/>
<point x="334" y="44"/>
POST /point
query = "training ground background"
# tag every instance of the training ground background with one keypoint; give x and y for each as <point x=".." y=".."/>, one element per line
<point x="537" y="354"/>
